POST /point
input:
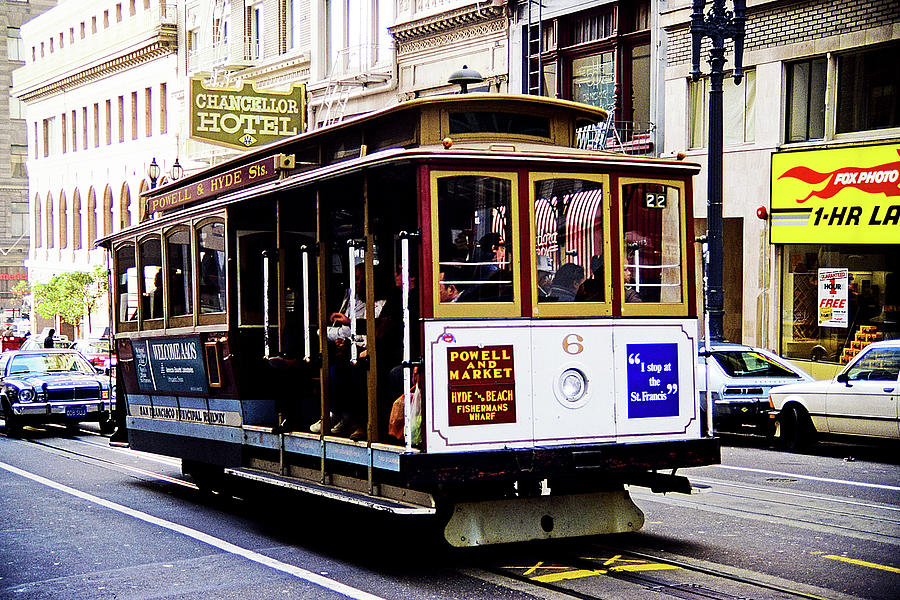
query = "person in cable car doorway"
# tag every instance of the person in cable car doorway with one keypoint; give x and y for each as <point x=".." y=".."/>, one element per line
<point x="347" y="380"/>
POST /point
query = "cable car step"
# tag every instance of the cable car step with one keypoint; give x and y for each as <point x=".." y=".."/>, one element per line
<point x="331" y="492"/>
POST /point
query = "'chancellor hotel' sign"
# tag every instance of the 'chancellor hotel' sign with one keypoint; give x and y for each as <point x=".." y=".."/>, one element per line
<point x="245" y="117"/>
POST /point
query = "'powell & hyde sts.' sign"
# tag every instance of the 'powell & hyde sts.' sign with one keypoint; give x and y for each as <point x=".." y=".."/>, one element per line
<point x="245" y="117"/>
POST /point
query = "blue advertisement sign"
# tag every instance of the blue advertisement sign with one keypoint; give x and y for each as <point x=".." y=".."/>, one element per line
<point x="652" y="380"/>
<point x="173" y="365"/>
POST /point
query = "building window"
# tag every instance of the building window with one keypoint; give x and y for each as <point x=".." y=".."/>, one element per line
<point x="84" y="128"/>
<point x="48" y="221"/>
<point x="125" y="208"/>
<point x="14" y="48"/>
<point x="739" y="109"/>
<point x="74" y="131"/>
<point x="108" y="122"/>
<point x="180" y="279"/>
<point x="96" y="125"/>
<point x="18" y="155"/>
<point x="873" y="299"/>
<point x="19" y="221"/>
<point x="105" y="19"/>
<point x="868" y="90"/>
<point x="107" y="211"/>
<point x="134" y="116"/>
<point x="163" y="115"/>
<point x="121" y="119"/>
<point x="148" y="112"/>
<point x="119" y="13"/>
<point x="63" y="222"/>
<point x="76" y="221"/>
<point x="49" y="135"/>
<point x="83" y="30"/>
<point x="805" y="118"/>
<point x="131" y="8"/>
<point x="38" y="222"/>
<point x="16" y="107"/>
<point x="254" y="32"/>
<point x="599" y="57"/>
<point x="91" y="218"/>
<point x="62" y="131"/>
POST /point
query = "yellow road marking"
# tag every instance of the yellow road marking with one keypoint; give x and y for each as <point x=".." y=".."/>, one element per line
<point x="579" y="574"/>
<point x="863" y="563"/>
<point x="645" y="567"/>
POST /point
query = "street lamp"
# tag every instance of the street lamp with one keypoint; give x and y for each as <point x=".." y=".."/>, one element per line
<point x="720" y="24"/>
<point x="177" y="170"/>
<point x="464" y="77"/>
<point x="153" y="172"/>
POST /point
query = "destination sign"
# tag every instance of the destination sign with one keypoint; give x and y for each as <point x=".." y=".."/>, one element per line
<point x="250" y="174"/>
<point x="482" y="386"/>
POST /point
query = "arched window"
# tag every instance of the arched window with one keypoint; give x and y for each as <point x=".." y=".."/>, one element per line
<point x="76" y="220"/>
<point x="63" y="221"/>
<point x="142" y="208"/>
<point x="38" y="225"/>
<point x="91" y="217"/>
<point x="48" y="220"/>
<point x="125" y="207"/>
<point x="107" y="211"/>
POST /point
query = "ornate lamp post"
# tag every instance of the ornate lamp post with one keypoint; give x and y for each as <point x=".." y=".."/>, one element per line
<point x="719" y="24"/>
<point x="153" y="172"/>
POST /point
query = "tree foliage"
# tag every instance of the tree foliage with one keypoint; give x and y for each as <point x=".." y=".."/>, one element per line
<point x="70" y="296"/>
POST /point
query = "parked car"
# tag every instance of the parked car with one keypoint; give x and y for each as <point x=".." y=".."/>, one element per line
<point x="53" y="386"/>
<point x="739" y="379"/>
<point x="861" y="400"/>
<point x="37" y="343"/>
<point x="98" y="352"/>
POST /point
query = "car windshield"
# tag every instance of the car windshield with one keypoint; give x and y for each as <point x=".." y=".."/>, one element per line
<point x="50" y="362"/>
<point x="747" y="363"/>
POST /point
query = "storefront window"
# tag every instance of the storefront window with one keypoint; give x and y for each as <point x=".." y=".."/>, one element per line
<point x="817" y="324"/>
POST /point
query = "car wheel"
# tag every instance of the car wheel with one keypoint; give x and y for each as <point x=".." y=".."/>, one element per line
<point x="13" y="426"/>
<point x="797" y="431"/>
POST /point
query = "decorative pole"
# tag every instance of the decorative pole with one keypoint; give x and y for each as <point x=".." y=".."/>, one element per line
<point x="719" y="25"/>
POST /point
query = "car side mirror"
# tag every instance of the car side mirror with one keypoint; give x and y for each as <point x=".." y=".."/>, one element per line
<point x="843" y="378"/>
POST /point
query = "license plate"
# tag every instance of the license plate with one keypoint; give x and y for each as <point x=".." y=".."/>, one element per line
<point x="76" y="411"/>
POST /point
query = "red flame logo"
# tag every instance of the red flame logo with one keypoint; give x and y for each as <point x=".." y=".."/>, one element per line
<point x="881" y="179"/>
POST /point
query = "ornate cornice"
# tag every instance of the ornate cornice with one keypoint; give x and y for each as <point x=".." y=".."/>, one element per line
<point x="160" y="47"/>
<point x="445" y="21"/>
<point x="445" y="36"/>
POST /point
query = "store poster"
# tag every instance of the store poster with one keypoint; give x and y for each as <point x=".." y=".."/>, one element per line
<point x="834" y="287"/>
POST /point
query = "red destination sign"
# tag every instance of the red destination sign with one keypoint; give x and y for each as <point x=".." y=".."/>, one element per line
<point x="482" y="385"/>
<point x="250" y="174"/>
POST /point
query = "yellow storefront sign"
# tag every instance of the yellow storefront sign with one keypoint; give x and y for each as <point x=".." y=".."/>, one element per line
<point x="837" y="196"/>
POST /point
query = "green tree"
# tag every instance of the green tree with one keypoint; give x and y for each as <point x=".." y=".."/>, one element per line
<point x="70" y="296"/>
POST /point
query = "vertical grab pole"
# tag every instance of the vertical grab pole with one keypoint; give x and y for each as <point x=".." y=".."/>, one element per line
<point x="407" y="375"/>
<point x="351" y="303"/>
<point x="267" y="342"/>
<point x="307" y="343"/>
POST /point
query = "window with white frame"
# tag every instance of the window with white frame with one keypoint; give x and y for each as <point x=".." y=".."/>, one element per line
<point x="868" y="89"/>
<point x="738" y="110"/>
<point x="357" y="35"/>
<point x="805" y="102"/>
<point x="14" y="48"/>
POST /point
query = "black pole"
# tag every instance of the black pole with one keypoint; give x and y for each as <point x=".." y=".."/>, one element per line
<point x="718" y="25"/>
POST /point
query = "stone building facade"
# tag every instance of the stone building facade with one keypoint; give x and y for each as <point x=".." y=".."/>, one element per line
<point x="14" y="222"/>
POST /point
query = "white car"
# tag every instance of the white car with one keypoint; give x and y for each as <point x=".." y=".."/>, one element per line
<point x="861" y="400"/>
<point x="740" y="378"/>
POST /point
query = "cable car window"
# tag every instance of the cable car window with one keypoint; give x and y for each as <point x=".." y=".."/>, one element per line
<point x="151" y="279"/>
<point x="211" y="246"/>
<point x="569" y="238"/>
<point x="651" y="227"/>
<point x="498" y="122"/>
<point x="475" y="237"/>
<point x="126" y="284"/>
<point x="178" y="253"/>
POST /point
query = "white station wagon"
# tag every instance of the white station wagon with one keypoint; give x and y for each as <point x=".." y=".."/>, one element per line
<point x="861" y="400"/>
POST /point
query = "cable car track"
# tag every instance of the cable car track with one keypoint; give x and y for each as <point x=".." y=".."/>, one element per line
<point x="581" y="568"/>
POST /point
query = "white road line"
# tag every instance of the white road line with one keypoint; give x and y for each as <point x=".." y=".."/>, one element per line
<point x="879" y="486"/>
<point x="256" y="557"/>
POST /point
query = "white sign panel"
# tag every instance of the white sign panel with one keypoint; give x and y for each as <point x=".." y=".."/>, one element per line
<point x="833" y="297"/>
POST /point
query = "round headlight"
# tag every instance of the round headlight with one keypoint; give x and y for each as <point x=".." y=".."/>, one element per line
<point x="26" y="395"/>
<point x="573" y="385"/>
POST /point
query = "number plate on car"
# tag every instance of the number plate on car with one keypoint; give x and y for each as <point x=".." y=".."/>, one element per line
<point x="76" y="411"/>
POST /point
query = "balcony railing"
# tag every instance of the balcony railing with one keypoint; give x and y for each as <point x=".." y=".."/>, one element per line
<point x="627" y="137"/>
